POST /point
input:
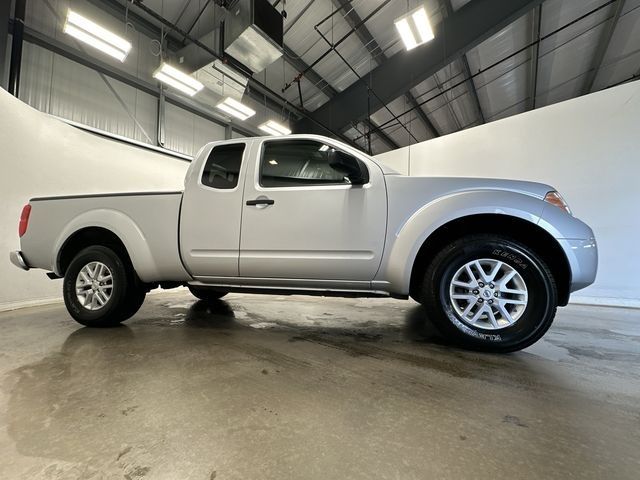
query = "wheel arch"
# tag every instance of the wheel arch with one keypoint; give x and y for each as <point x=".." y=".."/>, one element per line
<point x="86" y="237"/>
<point x="110" y="226"/>
<point x="526" y="232"/>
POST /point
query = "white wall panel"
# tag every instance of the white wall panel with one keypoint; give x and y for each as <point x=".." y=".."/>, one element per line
<point x="83" y="95"/>
<point x="44" y="156"/>
<point x="186" y="132"/>
<point x="35" y="76"/>
<point x="235" y="134"/>
<point x="204" y="132"/>
<point x="56" y="85"/>
<point x="585" y="147"/>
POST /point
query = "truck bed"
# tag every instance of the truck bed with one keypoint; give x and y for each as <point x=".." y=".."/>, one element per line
<point x="147" y="223"/>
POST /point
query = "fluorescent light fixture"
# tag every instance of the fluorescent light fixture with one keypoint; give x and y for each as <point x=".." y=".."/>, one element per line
<point x="273" y="162"/>
<point x="96" y="36"/>
<point x="235" y="108"/>
<point x="324" y="148"/>
<point x="414" y="28"/>
<point x="274" y="128"/>
<point x="177" y="79"/>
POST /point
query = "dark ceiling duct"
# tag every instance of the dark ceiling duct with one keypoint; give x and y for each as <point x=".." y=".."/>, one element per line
<point x="253" y="34"/>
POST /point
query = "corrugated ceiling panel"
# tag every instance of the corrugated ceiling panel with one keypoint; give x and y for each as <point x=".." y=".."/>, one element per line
<point x="622" y="60"/>
<point x="209" y="19"/>
<point x="276" y="78"/>
<point x="436" y="106"/>
<point x="204" y="132"/>
<point x="556" y="13"/>
<point x="457" y="94"/>
<point x="35" y="76"/>
<point x="505" y="85"/>
<point x="566" y="57"/>
<point x="333" y="69"/>
<point x="81" y="94"/>
<point x="358" y="138"/>
<point x="309" y="45"/>
<point x="178" y="130"/>
<point x="410" y="120"/>
<point x="303" y="39"/>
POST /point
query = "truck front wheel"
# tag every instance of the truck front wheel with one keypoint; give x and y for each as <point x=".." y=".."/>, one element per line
<point x="489" y="292"/>
<point x="100" y="289"/>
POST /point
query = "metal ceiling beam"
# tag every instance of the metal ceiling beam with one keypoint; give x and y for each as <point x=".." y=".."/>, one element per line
<point x="603" y="45"/>
<point x="466" y="28"/>
<point x="376" y="52"/>
<point x="535" y="57"/>
<point x="471" y="87"/>
<point x="315" y="78"/>
<point x="378" y="132"/>
<point x="466" y="71"/>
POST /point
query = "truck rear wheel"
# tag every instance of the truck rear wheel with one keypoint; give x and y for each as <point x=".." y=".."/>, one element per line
<point x="100" y="289"/>
<point x="489" y="292"/>
<point x="207" y="294"/>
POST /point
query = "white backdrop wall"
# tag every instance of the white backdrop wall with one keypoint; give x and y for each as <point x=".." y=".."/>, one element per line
<point x="588" y="148"/>
<point x="43" y="156"/>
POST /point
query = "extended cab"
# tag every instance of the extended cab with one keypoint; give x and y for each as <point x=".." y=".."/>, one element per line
<point x="490" y="260"/>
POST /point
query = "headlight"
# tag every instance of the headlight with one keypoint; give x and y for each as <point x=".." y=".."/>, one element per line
<point x="554" y="198"/>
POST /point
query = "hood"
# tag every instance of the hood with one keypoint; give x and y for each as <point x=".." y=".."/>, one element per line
<point x="458" y="184"/>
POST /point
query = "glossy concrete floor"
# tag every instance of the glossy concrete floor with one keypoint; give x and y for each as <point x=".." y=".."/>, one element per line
<point x="309" y="388"/>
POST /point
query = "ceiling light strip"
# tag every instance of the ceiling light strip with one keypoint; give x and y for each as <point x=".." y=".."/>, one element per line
<point x="235" y="108"/>
<point x="274" y="128"/>
<point x="414" y="28"/>
<point x="96" y="36"/>
<point x="177" y="79"/>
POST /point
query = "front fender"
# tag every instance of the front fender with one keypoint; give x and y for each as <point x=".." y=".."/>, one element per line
<point x="406" y="238"/>
<point x="123" y="227"/>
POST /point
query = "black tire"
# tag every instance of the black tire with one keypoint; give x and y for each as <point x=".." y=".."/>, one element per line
<point x="126" y="293"/>
<point x="536" y="317"/>
<point x="208" y="294"/>
<point x="135" y="299"/>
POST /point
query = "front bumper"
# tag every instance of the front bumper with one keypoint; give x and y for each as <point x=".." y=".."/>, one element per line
<point x="582" y="255"/>
<point x="18" y="260"/>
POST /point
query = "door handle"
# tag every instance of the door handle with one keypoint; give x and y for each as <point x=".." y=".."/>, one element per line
<point x="260" y="201"/>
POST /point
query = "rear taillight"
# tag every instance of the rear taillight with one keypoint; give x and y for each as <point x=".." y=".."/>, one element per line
<point x="24" y="220"/>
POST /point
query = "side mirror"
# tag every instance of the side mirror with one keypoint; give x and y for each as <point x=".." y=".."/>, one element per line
<point x="351" y="167"/>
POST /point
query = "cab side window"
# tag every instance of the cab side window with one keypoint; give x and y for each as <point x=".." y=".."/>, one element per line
<point x="222" y="168"/>
<point x="297" y="163"/>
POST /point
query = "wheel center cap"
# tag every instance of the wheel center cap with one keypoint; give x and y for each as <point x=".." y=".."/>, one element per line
<point x="487" y="293"/>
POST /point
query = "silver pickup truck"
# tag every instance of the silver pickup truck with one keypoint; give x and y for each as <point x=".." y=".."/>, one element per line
<point x="490" y="260"/>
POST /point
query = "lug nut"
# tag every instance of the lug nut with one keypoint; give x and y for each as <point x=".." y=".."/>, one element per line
<point x="491" y="285"/>
<point x="480" y="284"/>
<point x="496" y="294"/>
<point x="480" y="300"/>
<point x="490" y="302"/>
<point x="476" y="292"/>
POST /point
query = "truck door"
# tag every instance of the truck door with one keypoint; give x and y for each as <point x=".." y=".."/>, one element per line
<point x="211" y="211"/>
<point x="302" y="219"/>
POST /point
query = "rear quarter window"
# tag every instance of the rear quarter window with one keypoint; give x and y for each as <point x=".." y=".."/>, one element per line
<point x="222" y="168"/>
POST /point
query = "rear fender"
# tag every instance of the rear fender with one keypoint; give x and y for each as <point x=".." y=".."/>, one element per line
<point x="124" y="228"/>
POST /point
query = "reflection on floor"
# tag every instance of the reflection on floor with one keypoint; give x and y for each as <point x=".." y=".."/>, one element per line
<point x="300" y="387"/>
